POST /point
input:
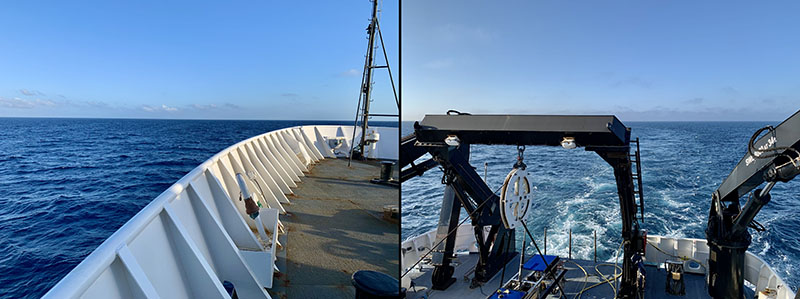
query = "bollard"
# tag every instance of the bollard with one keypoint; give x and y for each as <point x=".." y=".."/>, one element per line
<point x="386" y="170"/>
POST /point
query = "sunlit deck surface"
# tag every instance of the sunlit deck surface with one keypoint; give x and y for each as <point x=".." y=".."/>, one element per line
<point x="335" y="228"/>
<point x="574" y="281"/>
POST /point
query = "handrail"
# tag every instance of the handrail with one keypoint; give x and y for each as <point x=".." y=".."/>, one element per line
<point x="192" y="228"/>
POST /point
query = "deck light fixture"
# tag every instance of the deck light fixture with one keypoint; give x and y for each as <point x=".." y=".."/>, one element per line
<point x="568" y="143"/>
<point x="452" y="140"/>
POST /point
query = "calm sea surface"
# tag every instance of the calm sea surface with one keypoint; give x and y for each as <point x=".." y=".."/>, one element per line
<point x="682" y="164"/>
<point x="68" y="184"/>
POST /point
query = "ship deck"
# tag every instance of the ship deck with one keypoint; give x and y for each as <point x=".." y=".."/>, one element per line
<point x="334" y="227"/>
<point x="574" y="281"/>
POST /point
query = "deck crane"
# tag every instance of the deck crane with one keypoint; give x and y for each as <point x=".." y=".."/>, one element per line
<point x="774" y="157"/>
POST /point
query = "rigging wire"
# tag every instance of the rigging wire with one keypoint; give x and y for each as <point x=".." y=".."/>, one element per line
<point x="534" y="241"/>
<point x="469" y="216"/>
<point x="540" y="252"/>
<point x="386" y="57"/>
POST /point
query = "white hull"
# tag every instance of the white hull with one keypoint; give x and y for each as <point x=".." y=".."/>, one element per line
<point x="196" y="235"/>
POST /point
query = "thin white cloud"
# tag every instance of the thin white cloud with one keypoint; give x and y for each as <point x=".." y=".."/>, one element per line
<point x="29" y="93"/>
<point x="37" y="99"/>
<point x="163" y="108"/>
<point x="168" y="109"/>
<point x="203" y="107"/>
<point x="206" y="107"/>
<point x="18" y="103"/>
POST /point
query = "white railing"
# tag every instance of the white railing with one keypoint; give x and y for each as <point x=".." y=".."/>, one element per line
<point x="414" y="249"/>
<point x="757" y="272"/>
<point x="196" y="235"/>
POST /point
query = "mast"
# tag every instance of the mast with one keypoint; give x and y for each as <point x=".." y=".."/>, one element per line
<point x="365" y="91"/>
<point x="367" y="84"/>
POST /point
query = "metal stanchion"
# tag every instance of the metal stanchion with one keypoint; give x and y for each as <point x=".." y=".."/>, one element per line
<point x="570" y="243"/>
<point x="595" y="247"/>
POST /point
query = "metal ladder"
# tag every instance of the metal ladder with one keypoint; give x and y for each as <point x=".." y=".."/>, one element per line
<point x="636" y="178"/>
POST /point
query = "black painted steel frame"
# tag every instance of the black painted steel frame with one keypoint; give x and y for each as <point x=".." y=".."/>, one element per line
<point x="605" y="135"/>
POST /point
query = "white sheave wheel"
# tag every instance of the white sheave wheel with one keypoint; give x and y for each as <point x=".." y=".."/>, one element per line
<point x="515" y="198"/>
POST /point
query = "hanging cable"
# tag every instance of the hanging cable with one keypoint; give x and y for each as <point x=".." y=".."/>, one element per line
<point x="751" y="149"/>
<point x="456" y="112"/>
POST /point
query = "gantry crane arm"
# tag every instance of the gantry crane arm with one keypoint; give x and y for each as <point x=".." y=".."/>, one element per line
<point x="771" y="158"/>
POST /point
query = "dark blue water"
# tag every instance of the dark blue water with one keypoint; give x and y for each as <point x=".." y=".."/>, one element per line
<point x="682" y="163"/>
<point x="68" y="184"/>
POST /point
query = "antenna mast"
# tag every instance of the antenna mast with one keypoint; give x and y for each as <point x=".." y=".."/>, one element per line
<point x="365" y="94"/>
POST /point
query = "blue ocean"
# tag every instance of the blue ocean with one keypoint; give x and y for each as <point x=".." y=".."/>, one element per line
<point x="682" y="164"/>
<point x="68" y="184"/>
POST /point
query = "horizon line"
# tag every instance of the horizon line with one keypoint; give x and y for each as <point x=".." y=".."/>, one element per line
<point x="154" y="118"/>
<point x="674" y="121"/>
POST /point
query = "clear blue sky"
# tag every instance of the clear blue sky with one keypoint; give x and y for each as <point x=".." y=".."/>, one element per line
<point x="640" y="60"/>
<point x="190" y="59"/>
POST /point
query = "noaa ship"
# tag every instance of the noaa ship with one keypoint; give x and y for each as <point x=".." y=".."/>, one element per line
<point x="299" y="212"/>
<point x="480" y="259"/>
